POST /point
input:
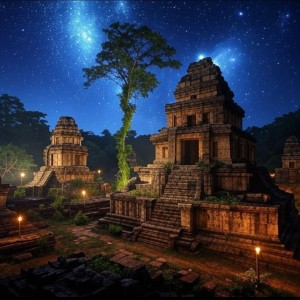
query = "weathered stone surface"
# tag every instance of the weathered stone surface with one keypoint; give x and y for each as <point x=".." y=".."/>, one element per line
<point x="190" y="278"/>
<point x="290" y="171"/>
<point x="22" y="257"/>
<point x="65" y="158"/>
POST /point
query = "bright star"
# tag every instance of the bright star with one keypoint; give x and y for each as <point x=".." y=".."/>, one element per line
<point x="201" y="56"/>
<point x="241" y="13"/>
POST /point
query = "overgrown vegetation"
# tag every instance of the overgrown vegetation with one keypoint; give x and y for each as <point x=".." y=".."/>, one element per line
<point x="114" y="230"/>
<point x="222" y="197"/>
<point x="215" y="165"/>
<point x="245" y="284"/>
<point x="125" y="59"/>
<point x="33" y="215"/>
<point x="101" y="263"/>
<point x="143" y="193"/>
<point x="19" y="193"/>
<point x="81" y="219"/>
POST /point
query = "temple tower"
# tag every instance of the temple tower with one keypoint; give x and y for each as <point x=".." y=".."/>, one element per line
<point x="65" y="158"/>
<point x="204" y="123"/>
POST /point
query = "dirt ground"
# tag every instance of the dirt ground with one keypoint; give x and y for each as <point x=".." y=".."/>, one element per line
<point x="209" y="265"/>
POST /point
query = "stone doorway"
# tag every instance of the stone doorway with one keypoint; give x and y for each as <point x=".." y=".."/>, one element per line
<point x="189" y="152"/>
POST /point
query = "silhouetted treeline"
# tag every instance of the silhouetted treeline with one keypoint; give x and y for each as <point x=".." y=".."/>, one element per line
<point x="272" y="137"/>
<point x="26" y="129"/>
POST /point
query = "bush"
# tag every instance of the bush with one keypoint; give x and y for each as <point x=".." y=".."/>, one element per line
<point x="19" y="193"/>
<point x="114" y="230"/>
<point x="81" y="219"/>
<point x="101" y="263"/>
<point x="33" y="215"/>
<point x="77" y="183"/>
<point x="245" y="284"/>
<point x="58" y="216"/>
<point x="43" y="244"/>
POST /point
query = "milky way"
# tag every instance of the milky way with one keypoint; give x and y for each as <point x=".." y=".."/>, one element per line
<point x="45" y="45"/>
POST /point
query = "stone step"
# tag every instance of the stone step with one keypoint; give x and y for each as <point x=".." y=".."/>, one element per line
<point x="155" y="227"/>
<point x="154" y="243"/>
<point x="168" y="223"/>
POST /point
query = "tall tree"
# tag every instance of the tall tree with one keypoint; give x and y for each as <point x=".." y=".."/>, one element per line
<point x="125" y="59"/>
<point x="14" y="160"/>
<point x="22" y="128"/>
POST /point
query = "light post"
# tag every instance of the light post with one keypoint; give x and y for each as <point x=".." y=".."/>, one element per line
<point x="22" y="175"/>
<point x="20" y="220"/>
<point x="257" y="251"/>
<point x="83" y="195"/>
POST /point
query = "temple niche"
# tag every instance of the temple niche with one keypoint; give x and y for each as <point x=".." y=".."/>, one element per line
<point x="65" y="158"/>
<point x="202" y="155"/>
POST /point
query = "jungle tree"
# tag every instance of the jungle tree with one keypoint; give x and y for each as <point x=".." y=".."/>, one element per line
<point x="125" y="59"/>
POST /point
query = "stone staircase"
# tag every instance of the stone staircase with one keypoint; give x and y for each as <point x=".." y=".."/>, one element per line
<point x="41" y="178"/>
<point x="164" y="227"/>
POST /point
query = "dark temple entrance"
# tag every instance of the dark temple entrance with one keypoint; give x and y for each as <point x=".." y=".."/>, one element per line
<point x="189" y="152"/>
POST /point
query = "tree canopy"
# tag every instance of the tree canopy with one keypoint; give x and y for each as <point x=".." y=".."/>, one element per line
<point x="22" y="128"/>
<point x="272" y="137"/>
<point x="125" y="59"/>
<point x="13" y="161"/>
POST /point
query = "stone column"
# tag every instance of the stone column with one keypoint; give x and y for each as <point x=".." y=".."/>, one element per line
<point x="187" y="216"/>
<point x="4" y="189"/>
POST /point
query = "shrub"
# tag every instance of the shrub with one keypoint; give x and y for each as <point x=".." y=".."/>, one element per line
<point x="201" y="164"/>
<point x="33" y="215"/>
<point x="101" y="263"/>
<point x="77" y="183"/>
<point x="245" y="284"/>
<point x="58" y="216"/>
<point x="168" y="167"/>
<point x="19" y="193"/>
<point x="114" y="230"/>
<point x="81" y="219"/>
<point x="42" y="243"/>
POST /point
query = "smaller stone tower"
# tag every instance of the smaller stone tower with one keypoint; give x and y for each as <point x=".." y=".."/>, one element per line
<point x="290" y="171"/>
<point x="65" y="158"/>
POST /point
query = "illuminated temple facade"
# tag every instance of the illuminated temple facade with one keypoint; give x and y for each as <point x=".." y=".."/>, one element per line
<point x="65" y="158"/>
<point x="202" y="154"/>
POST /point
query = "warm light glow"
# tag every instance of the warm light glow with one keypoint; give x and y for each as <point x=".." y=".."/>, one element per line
<point x="22" y="175"/>
<point x="20" y="218"/>
<point x="272" y="175"/>
<point x="99" y="171"/>
<point x="257" y="249"/>
<point x="83" y="193"/>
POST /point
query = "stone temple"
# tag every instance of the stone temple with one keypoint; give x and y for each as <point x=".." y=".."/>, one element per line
<point x="65" y="158"/>
<point x="290" y="171"/>
<point x="201" y="156"/>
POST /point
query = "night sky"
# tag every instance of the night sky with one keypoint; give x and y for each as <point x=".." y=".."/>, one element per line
<point x="45" y="44"/>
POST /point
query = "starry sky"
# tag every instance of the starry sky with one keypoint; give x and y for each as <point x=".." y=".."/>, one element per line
<point x="44" y="46"/>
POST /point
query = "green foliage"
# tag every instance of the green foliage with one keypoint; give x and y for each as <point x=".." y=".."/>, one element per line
<point x="58" y="216"/>
<point x="81" y="219"/>
<point x="13" y="160"/>
<point x="57" y="204"/>
<point x="42" y="206"/>
<point x="22" y="128"/>
<point x="201" y="164"/>
<point x="168" y="167"/>
<point x="114" y="230"/>
<point x="19" y="193"/>
<point x="143" y="193"/>
<point x="222" y="197"/>
<point x="101" y="263"/>
<point x="33" y="215"/>
<point x="215" y="165"/>
<point x="125" y="59"/>
<point x="77" y="183"/>
<point x="42" y="243"/>
<point x="244" y="284"/>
